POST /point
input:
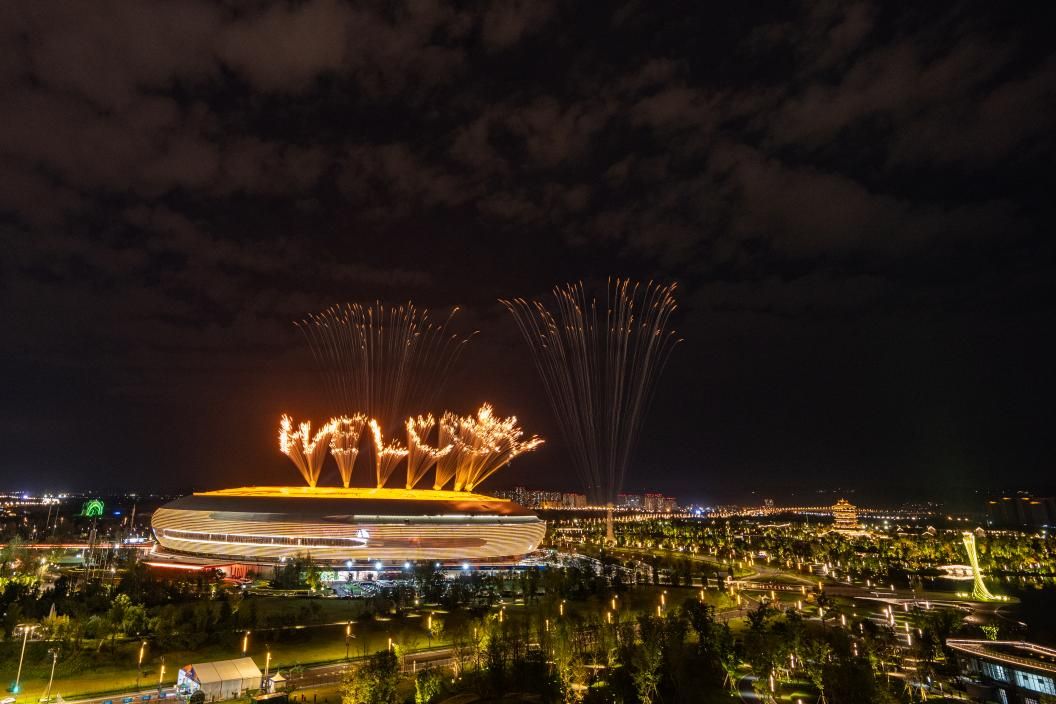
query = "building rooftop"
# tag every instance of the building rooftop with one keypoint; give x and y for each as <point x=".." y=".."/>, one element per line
<point x="354" y="492"/>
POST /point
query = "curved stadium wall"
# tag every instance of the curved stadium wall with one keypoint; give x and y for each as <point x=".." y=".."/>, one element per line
<point x="265" y="525"/>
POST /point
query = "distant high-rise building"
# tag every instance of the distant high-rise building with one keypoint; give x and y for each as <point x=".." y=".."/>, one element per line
<point x="670" y="504"/>
<point x="573" y="500"/>
<point x="653" y="503"/>
<point x="629" y="500"/>
<point x="845" y="515"/>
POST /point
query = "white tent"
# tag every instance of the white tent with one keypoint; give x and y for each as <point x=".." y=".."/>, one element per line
<point x="222" y="679"/>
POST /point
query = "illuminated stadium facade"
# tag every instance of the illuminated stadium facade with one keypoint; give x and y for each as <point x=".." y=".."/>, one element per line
<point x="359" y="529"/>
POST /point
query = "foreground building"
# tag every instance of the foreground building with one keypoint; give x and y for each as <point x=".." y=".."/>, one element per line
<point x="359" y="529"/>
<point x="221" y="679"/>
<point x="1010" y="672"/>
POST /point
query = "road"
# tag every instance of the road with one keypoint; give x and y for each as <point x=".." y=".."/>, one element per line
<point x="315" y="676"/>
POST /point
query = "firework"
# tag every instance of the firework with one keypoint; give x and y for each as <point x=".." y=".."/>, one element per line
<point x="599" y="369"/>
<point x="447" y="465"/>
<point x="307" y="452"/>
<point x="420" y="456"/>
<point x="386" y="457"/>
<point x="487" y="443"/>
<point x="377" y="359"/>
<point x="344" y="443"/>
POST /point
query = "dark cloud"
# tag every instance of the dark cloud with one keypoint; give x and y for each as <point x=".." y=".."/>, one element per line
<point x="180" y="180"/>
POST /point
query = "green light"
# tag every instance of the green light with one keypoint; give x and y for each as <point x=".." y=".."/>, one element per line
<point x="93" y="508"/>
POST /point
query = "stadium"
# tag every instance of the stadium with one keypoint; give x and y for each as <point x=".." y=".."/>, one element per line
<point x="358" y="529"/>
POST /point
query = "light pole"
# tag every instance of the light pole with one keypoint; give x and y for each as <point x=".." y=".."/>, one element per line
<point x="348" y="637"/>
<point x="54" y="659"/>
<point x="139" y="664"/>
<point x="26" y="629"/>
<point x="245" y="643"/>
<point x="161" y="674"/>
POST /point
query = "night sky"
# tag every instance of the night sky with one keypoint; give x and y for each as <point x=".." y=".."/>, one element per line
<point x="856" y="201"/>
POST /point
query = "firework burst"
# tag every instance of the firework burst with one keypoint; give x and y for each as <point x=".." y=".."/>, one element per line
<point x="420" y="456"/>
<point x="386" y="457"/>
<point x="599" y="369"/>
<point x="307" y="451"/>
<point x="344" y="443"/>
<point x="378" y="359"/>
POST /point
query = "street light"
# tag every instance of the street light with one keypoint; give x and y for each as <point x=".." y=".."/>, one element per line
<point x="161" y="674"/>
<point x="26" y="628"/>
<point x="54" y="658"/>
<point x="348" y="637"/>
<point x="245" y="643"/>
<point x="139" y="663"/>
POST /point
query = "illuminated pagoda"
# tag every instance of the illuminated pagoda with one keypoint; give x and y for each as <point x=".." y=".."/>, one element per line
<point x="845" y="516"/>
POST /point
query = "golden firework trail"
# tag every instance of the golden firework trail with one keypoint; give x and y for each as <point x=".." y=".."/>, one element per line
<point x="307" y="452"/>
<point x="447" y="466"/>
<point x="471" y="449"/>
<point x="486" y="443"/>
<point x="420" y="456"/>
<point x="386" y="457"/>
<point x="599" y="369"/>
<point x="344" y="443"/>
<point x="379" y="359"/>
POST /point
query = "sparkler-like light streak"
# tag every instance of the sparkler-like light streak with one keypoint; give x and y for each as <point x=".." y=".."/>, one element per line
<point x="307" y="452"/>
<point x="420" y="456"/>
<point x="377" y="359"/>
<point x="484" y="444"/>
<point x="471" y="450"/>
<point x="599" y="369"/>
<point x="344" y="443"/>
<point x="447" y="466"/>
<point x="386" y="457"/>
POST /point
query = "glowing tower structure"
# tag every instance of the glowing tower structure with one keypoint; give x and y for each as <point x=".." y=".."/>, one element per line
<point x="979" y="590"/>
<point x="844" y="515"/>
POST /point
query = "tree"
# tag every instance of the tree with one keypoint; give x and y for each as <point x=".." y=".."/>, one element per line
<point x="648" y="659"/>
<point x="815" y="658"/>
<point x="726" y="650"/>
<point x="428" y="686"/>
<point x="375" y="682"/>
<point x="647" y="662"/>
<point x="702" y="620"/>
